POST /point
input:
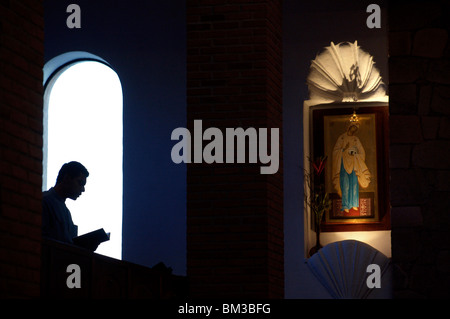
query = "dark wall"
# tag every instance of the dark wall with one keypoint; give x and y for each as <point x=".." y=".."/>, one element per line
<point x="235" y="213"/>
<point x="21" y="62"/>
<point x="144" y="42"/>
<point x="419" y="67"/>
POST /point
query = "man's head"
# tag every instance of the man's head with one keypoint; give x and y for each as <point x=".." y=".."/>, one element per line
<point x="71" y="180"/>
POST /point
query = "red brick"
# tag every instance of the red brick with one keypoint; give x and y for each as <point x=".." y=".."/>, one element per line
<point x="229" y="206"/>
<point x="21" y="52"/>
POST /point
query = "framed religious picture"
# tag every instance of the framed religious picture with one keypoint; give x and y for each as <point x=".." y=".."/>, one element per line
<point x="354" y="140"/>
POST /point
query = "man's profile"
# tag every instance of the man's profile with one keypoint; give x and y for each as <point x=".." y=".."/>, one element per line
<point x="56" y="218"/>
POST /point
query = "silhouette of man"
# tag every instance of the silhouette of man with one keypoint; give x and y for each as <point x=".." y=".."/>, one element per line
<point x="56" y="218"/>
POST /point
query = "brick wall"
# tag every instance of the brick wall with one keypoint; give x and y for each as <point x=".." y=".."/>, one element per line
<point x="234" y="214"/>
<point x="21" y="62"/>
<point x="419" y="77"/>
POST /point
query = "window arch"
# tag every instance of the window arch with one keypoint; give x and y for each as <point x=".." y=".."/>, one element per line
<point x="83" y="122"/>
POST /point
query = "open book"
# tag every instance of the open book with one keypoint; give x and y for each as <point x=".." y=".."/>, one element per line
<point x="92" y="240"/>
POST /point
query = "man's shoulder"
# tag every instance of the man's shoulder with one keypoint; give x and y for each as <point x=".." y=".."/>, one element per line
<point x="46" y="194"/>
<point x="49" y="195"/>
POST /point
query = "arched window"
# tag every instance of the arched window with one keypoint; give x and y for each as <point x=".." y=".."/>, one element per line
<point x="83" y="122"/>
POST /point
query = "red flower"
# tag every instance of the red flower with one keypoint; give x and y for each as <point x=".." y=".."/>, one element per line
<point x="319" y="164"/>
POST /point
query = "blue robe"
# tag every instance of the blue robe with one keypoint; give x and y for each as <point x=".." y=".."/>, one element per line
<point x="349" y="187"/>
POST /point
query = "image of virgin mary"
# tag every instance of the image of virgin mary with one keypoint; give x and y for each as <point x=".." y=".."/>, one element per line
<point x="349" y="170"/>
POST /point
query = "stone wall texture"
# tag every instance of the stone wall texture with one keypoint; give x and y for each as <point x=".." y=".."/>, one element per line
<point x="419" y="90"/>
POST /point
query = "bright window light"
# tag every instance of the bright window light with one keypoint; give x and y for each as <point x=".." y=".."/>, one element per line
<point x="84" y="123"/>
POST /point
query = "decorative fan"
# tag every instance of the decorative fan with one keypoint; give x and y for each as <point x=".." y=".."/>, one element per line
<point x="344" y="73"/>
<point x="341" y="267"/>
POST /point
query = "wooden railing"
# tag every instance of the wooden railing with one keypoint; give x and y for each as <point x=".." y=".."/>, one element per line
<point x="103" y="277"/>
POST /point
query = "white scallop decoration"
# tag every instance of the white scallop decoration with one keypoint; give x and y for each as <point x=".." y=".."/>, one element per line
<point x="344" y="73"/>
<point x="341" y="267"/>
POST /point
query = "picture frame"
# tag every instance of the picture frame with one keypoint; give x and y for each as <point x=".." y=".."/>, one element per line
<point x="356" y="169"/>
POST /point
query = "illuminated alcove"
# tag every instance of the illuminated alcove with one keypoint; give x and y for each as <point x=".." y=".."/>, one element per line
<point x="343" y="76"/>
<point x="83" y="122"/>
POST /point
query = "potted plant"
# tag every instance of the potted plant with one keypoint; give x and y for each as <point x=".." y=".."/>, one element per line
<point x="318" y="199"/>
